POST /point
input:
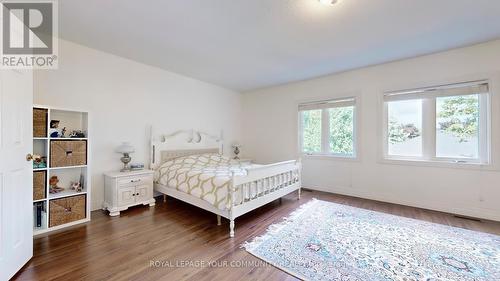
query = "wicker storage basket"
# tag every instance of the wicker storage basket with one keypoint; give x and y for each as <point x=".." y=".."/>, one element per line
<point x="39" y="181"/>
<point x="66" y="210"/>
<point x="39" y="122"/>
<point x="65" y="153"/>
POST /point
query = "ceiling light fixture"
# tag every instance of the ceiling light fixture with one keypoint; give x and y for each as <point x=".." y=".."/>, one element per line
<point x="328" y="2"/>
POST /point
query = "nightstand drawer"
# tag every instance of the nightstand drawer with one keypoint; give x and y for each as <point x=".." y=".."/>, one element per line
<point x="135" y="180"/>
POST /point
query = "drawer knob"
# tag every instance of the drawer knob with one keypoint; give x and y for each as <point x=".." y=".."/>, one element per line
<point x="135" y="180"/>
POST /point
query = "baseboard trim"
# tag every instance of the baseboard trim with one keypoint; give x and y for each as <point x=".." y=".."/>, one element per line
<point x="480" y="213"/>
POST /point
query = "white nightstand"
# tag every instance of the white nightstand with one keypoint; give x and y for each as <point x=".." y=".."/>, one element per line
<point x="126" y="189"/>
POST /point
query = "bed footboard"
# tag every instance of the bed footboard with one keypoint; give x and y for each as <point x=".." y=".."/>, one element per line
<point x="262" y="185"/>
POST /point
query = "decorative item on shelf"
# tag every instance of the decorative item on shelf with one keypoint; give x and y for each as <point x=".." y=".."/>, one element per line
<point x="76" y="186"/>
<point x="39" y="162"/>
<point x="137" y="166"/>
<point x="77" y="134"/>
<point x="54" y="131"/>
<point x="82" y="181"/>
<point x="236" y="151"/>
<point x="53" y="181"/>
<point x="125" y="148"/>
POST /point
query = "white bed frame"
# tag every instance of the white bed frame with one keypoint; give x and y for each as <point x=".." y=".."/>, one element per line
<point x="279" y="176"/>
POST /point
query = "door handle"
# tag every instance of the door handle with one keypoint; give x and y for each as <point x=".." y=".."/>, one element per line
<point x="29" y="157"/>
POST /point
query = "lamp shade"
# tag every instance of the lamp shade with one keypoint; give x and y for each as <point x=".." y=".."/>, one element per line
<point x="125" y="148"/>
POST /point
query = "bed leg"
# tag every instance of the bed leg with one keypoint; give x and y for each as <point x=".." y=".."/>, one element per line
<point x="218" y="220"/>
<point x="299" y="192"/>
<point x="164" y="198"/>
<point x="231" y="228"/>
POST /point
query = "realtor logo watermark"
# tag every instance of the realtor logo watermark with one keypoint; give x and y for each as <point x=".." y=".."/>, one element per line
<point x="29" y="35"/>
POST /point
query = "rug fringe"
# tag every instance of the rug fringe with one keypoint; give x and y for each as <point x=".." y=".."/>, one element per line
<point x="276" y="227"/>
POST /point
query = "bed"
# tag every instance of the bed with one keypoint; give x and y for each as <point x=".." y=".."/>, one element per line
<point x="190" y="166"/>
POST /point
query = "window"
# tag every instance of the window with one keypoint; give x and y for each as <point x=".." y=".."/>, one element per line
<point x="311" y="124"/>
<point x="341" y="130"/>
<point x="328" y="128"/>
<point x="457" y="127"/>
<point x="405" y="127"/>
<point x="445" y="123"/>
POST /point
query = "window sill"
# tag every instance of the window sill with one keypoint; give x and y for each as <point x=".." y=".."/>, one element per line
<point x="438" y="164"/>
<point x="331" y="157"/>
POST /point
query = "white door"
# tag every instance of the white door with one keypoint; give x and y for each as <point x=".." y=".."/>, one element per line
<point x="16" y="174"/>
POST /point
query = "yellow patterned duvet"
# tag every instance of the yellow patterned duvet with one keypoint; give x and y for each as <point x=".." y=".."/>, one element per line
<point x="206" y="176"/>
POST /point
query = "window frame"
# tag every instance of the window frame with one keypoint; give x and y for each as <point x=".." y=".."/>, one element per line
<point x="429" y="129"/>
<point x="325" y="127"/>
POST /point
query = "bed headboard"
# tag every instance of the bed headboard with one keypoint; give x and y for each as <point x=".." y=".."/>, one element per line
<point x="165" y="147"/>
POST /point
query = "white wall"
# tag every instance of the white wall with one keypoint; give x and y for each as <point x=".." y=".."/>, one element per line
<point x="270" y="133"/>
<point x="124" y="98"/>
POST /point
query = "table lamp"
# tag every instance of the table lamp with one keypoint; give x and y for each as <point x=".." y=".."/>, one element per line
<point x="125" y="148"/>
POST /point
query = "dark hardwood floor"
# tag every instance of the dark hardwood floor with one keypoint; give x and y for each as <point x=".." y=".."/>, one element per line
<point x="176" y="233"/>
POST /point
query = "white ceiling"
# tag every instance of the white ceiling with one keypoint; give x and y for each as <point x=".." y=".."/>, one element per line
<point x="249" y="44"/>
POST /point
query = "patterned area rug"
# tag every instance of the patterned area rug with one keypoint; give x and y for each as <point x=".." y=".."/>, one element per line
<point x="327" y="241"/>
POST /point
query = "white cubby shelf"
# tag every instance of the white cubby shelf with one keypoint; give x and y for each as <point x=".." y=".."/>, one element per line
<point x="72" y="120"/>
